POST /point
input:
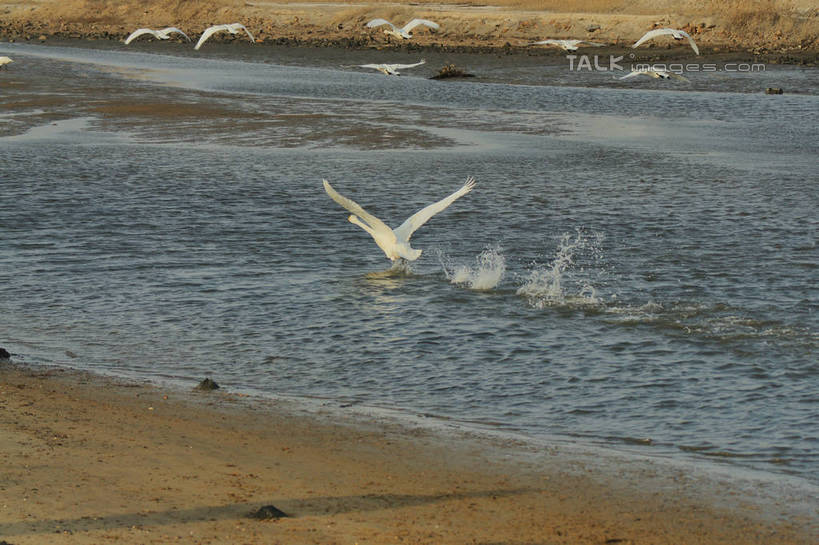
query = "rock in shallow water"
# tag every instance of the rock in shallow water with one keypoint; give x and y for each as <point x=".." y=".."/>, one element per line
<point x="207" y="385"/>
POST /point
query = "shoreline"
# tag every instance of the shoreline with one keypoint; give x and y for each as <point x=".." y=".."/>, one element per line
<point x="90" y="458"/>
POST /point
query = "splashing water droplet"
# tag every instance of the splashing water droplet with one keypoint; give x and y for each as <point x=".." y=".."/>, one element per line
<point x="485" y="275"/>
<point x="544" y="286"/>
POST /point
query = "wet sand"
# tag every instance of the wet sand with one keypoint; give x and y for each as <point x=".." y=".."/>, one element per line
<point x="88" y="459"/>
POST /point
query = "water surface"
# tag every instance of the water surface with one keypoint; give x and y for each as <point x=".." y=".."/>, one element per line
<point x="636" y="268"/>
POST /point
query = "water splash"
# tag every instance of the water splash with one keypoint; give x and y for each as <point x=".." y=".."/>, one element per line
<point x="560" y="283"/>
<point x="401" y="267"/>
<point x="398" y="268"/>
<point x="486" y="274"/>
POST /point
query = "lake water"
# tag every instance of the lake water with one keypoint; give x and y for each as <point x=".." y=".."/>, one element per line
<point x="637" y="267"/>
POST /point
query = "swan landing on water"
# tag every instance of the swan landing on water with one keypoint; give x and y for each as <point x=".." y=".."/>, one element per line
<point x="395" y="242"/>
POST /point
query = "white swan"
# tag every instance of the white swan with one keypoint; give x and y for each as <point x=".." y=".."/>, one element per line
<point x="233" y="28"/>
<point x="657" y="73"/>
<point x="4" y="61"/>
<point x="163" y="34"/>
<point x="568" y="45"/>
<point x="391" y="69"/>
<point x="395" y="242"/>
<point x="676" y="34"/>
<point x="403" y="32"/>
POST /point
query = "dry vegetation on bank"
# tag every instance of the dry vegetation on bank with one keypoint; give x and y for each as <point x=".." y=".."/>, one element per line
<point x="719" y="25"/>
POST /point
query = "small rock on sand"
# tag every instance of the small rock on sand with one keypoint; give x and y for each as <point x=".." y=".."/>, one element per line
<point x="268" y="512"/>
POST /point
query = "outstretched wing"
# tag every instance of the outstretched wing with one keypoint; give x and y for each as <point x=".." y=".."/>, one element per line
<point x="236" y="27"/>
<point x="415" y="22"/>
<point x="210" y="31"/>
<point x="167" y="31"/>
<point x="356" y="209"/>
<point x="636" y="73"/>
<point x="545" y="42"/>
<point x="677" y="76"/>
<point x="592" y="44"/>
<point x="406" y="229"/>
<point x="651" y="34"/>
<point x="376" y="66"/>
<point x="139" y="32"/>
<point x="402" y="66"/>
<point x="691" y="41"/>
<point x="378" y="22"/>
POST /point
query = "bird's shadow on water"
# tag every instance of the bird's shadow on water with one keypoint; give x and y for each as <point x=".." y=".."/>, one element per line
<point x="304" y="507"/>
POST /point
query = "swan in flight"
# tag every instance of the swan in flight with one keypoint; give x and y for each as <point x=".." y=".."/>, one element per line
<point x="657" y="73"/>
<point x="163" y="34"/>
<point x="676" y="34"/>
<point x="233" y="28"/>
<point x="4" y="61"/>
<point x="568" y="45"/>
<point x="391" y="69"/>
<point x="395" y="242"/>
<point x="403" y="32"/>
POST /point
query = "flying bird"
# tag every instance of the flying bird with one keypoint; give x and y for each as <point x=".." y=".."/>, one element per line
<point x="568" y="45"/>
<point x="233" y="28"/>
<point x="395" y="242"/>
<point x="4" y="61"/>
<point x="163" y="34"/>
<point x="403" y="32"/>
<point x="391" y="69"/>
<point x="676" y="34"/>
<point x="657" y="73"/>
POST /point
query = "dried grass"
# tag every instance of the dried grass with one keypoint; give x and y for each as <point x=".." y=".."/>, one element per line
<point x="109" y="12"/>
<point x="561" y="6"/>
<point x="749" y="14"/>
<point x="770" y="20"/>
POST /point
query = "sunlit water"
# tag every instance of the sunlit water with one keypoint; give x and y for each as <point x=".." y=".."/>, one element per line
<point x="636" y="268"/>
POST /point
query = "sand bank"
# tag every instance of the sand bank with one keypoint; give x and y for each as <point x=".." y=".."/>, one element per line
<point x="779" y="30"/>
<point x="87" y="459"/>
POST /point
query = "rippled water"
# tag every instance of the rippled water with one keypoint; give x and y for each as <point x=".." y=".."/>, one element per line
<point x="637" y="266"/>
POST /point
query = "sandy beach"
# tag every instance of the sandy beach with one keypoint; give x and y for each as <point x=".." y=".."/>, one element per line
<point x="774" y="30"/>
<point x="87" y="459"/>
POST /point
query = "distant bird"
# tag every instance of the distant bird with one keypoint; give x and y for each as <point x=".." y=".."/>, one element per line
<point x="403" y="32"/>
<point x="395" y="242"/>
<point x="233" y="28"/>
<point x="676" y="34"/>
<point x="657" y="73"/>
<point x="4" y="61"/>
<point x="568" y="45"/>
<point x="163" y="34"/>
<point x="391" y="69"/>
